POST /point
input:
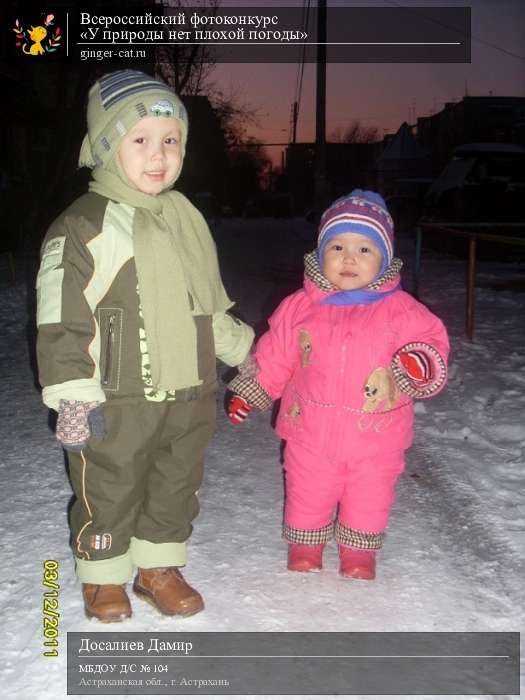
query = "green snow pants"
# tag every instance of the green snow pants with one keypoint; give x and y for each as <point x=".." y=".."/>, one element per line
<point x="136" y="490"/>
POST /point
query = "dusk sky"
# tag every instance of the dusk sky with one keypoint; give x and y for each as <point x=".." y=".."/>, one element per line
<point x="383" y="95"/>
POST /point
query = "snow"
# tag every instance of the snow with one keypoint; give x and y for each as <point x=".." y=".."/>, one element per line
<point x="453" y="559"/>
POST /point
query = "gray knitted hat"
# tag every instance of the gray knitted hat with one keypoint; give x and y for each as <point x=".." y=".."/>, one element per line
<point x="116" y="103"/>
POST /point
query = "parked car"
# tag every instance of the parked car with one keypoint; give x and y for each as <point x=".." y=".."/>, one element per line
<point x="481" y="182"/>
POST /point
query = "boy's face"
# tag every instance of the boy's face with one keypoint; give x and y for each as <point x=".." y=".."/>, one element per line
<point x="150" y="154"/>
<point x="351" y="261"/>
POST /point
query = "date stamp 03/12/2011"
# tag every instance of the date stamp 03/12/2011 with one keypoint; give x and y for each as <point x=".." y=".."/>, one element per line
<point x="50" y="607"/>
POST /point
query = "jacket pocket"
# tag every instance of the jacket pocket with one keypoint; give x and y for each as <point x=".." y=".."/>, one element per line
<point x="110" y="323"/>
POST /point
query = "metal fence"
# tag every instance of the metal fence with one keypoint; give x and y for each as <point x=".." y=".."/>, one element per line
<point x="461" y="230"/>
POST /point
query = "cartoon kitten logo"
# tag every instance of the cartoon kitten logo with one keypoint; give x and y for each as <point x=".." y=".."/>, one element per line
<point x="38" y="40"/>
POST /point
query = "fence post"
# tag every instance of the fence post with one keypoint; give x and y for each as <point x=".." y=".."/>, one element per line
<point x="417" y="261"/>
<point x="471" y="284"/>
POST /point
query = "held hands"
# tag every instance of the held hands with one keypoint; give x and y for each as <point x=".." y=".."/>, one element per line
<point x="238" y="409"/>
<point x="77" y="422"/>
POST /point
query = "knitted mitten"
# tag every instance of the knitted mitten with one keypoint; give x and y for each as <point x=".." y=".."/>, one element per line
<point x="77" y="421"/>
<point x="419" y="370"/>
<point x="238" y="409"/>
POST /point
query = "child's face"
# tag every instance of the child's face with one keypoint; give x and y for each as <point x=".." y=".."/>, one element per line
<point x="351" y="261"/>
<point x="150" y="154"/>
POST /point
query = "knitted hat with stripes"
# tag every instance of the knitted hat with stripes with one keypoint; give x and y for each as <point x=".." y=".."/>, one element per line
<point x="116" y="103"/>
<point x="362" y="212"/>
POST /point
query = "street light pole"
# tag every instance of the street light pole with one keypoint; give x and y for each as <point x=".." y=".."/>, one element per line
<point x="321" y="188"/>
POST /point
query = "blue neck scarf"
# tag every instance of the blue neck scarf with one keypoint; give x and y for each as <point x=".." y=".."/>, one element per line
<point x="359" y="296"/>
<point x="383" y="286"/>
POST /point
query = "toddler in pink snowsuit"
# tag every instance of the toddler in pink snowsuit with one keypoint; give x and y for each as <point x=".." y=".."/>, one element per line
<point x="346" y="354"/>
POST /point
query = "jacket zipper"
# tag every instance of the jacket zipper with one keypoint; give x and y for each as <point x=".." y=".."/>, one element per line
<point x="109" y="349"/>
<point x="341" y="383"/>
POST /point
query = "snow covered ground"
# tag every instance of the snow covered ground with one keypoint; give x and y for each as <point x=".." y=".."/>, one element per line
<point x="454" y="555"/>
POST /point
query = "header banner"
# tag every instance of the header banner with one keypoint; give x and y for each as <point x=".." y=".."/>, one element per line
<point x="152" y="32"/>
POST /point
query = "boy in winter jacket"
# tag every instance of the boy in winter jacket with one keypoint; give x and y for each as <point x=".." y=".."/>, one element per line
<point x="346" y="354"/>
<point x="131" y="315"/>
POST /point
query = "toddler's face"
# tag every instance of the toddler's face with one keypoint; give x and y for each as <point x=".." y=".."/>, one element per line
<point x="351" y="261"/>
<point x="150" y="154"/>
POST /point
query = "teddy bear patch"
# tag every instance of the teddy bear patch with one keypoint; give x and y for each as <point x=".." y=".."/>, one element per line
<point x="380" y="389"/>
<point x="305" y="343"/>
<point x="294" y="410"/>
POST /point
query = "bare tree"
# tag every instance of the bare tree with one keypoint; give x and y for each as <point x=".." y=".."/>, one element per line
<point x="234" y="115"/>
<point x="186" y="68"/>
<point x="355" y="133"/>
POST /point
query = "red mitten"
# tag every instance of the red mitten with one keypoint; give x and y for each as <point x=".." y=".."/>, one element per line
<point x="238" y="409"/>
<point x="417" y="366"/>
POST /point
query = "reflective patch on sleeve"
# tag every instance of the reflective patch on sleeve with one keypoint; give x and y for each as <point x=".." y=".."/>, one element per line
<point x="55" y="246"/>
<point x="49" y="282"/>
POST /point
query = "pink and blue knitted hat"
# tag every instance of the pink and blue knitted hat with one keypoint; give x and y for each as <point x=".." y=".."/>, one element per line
<point x="363" y="212"/>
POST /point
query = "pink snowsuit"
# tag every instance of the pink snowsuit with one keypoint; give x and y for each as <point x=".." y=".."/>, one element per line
<point x="346" y="434"/>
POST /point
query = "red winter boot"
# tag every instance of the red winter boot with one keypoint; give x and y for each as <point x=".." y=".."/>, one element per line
<point x="357" y="563"/>
<point x="305" y="557"/>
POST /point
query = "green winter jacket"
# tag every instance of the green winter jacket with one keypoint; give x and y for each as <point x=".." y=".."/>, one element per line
<point x="91" y="343"/>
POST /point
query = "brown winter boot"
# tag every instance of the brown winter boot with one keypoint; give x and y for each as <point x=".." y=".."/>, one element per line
<point x="166" y="589"/>
<point x="107" y="602"/>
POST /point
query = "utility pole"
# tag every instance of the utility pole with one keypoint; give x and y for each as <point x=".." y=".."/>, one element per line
<point x="321" y="189"/>
<point x="294" y="122"/>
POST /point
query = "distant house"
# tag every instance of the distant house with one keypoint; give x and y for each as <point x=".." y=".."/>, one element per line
<point x="348" y="165"/>
<point x="473" y="120"/>
<point x="402" y="160"/>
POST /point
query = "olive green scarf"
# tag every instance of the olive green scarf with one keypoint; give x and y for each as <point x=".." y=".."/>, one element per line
<point x="178" y="276"/>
